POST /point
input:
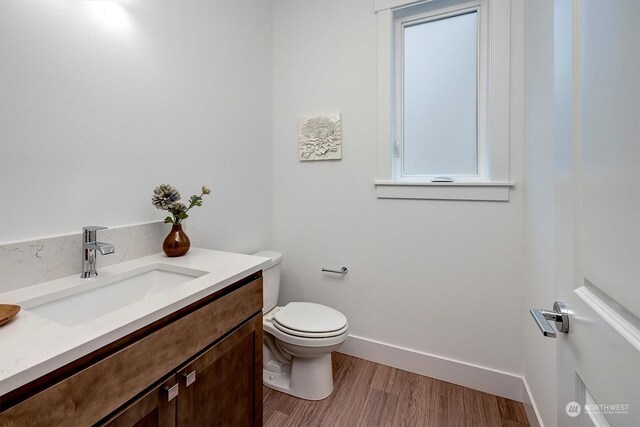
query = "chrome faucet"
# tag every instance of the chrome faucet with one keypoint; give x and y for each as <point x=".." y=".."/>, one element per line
<point x="89" y="248"/>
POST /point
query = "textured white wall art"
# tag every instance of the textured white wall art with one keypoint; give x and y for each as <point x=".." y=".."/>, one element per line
<point x="320" y="137"/>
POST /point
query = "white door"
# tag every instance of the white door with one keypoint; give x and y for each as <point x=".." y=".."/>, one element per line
<point x="597" y="209"/>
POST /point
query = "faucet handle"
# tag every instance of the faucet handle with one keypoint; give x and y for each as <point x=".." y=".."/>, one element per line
<point x="89" y="233"/>
<point x="93" y="228"/>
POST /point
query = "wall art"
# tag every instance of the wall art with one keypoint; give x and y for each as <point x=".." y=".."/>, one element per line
<point x="320" y="137"/>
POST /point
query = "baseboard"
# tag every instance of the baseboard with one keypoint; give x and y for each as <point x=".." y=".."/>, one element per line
<point x="453" y="371"/>
<point x="530" y="406"/>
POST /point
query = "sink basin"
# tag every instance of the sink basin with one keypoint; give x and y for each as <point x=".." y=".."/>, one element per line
<point x="93" y="298"/>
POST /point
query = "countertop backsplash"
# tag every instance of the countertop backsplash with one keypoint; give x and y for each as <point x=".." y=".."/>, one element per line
<point x="30" y="262"/>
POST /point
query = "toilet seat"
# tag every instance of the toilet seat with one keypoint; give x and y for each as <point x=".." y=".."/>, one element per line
<point x="268" y="326"/>
<point x="310" y="320"/>
<point x="309" y="334"/>
<point x="303" y="338"/>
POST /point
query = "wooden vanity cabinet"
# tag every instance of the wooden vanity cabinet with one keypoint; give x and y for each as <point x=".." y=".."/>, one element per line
<point x="199" y="366"/>
<point x="218" y="388"/>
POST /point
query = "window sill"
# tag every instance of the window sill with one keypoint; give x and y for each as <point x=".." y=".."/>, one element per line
<point x="482" y="191"/>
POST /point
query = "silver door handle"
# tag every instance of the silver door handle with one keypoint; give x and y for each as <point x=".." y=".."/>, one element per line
<point x="560" y="315"/>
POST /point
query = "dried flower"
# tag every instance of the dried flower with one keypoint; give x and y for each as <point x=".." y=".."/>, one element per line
<point x="177" y="208"/>
<point x="164" y="196"/>
<point x="167" y="198"/>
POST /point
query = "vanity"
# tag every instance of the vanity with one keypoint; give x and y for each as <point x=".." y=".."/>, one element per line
<point x="154" y="341"/>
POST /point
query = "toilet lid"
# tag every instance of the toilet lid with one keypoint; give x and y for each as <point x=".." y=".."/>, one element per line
<point x="313" y="335"/>
<point x="310" y="317"/>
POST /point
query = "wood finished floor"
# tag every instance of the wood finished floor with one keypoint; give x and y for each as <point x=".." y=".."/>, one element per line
<point x="369" y="394"/>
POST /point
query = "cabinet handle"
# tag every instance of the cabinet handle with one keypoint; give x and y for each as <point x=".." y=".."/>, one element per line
<point x="189" y="378"/>
<point x="172" y="392"/>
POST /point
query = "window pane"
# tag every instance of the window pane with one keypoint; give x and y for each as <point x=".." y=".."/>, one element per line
<point x="440" y="125"/>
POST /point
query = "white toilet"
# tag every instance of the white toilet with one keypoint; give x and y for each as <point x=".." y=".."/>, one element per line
<point x="298" y="340"/>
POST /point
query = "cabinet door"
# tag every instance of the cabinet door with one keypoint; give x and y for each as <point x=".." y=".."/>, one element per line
<point x="223" y="386"/>
<point x="156" y="408"/>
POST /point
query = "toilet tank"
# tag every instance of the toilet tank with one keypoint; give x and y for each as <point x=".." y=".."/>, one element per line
<point x="270" y="279"/>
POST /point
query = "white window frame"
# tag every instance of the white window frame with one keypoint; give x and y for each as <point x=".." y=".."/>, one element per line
<point x="492" y="182"/>
<point x="481" y="71"/>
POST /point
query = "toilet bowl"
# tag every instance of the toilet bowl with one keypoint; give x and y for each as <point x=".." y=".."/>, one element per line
<point x="298" y="340"/>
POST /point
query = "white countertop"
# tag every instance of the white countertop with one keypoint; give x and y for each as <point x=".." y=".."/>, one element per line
<point x="31" y="346"/>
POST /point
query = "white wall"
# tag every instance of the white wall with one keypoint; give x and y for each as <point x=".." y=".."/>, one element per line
<point x="441" y="277"/>
<point x="539" y="352"/>
<point x="104" y="100"/>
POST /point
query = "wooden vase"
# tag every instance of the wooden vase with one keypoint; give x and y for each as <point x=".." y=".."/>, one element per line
<point x="177" y="242"/>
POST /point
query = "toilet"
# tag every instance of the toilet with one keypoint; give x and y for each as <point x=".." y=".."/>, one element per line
<point x="298" y="340"/>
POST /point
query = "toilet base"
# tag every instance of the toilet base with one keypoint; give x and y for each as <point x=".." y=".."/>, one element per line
<point x="310" y="378"/>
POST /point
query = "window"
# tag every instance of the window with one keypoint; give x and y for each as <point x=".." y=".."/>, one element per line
<point x="437" y="97"/>
<point x="443" y="99"/>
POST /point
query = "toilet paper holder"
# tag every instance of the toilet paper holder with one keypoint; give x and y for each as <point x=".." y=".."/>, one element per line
<point x="343" y="270"/>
